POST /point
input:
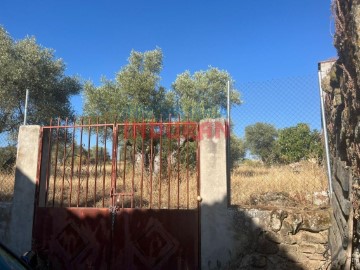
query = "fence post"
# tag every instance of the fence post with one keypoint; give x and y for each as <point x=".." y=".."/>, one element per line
<point x="216" y="236"/>
<point x="19" y="234"/>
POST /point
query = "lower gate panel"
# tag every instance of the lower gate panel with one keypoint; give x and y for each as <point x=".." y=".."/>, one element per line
<point x="155" y="239"/>
<point x="73" y="238"/>
<point x="91" y="238"/>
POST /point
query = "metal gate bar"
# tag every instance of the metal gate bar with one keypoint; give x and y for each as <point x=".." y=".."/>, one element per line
<point x="114" y="190"/>
<point x="127" y="165"/>
<point x="76" y="160"/>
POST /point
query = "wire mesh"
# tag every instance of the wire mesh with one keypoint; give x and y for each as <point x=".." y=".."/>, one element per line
<point x="276" y="147"/>
<point x="7" y="168"/>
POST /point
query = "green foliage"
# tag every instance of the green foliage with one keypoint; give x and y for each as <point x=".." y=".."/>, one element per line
<point x="203" y="94"/>
<point x="237" y="150"/>
<point x="260" y="140"/>
<point x="299" y="142"/>
<point x="188" y="152"/>
<point x="99" y="156"/>
<point x="26" y="65"/>
<point x="286" y="145"/>
<point x="74" y="151"/>
<point x="135" y="90"/>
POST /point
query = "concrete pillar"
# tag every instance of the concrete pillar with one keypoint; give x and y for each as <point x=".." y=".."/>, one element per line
<point x="21" y="222"/>
<point x="217" y="237"/>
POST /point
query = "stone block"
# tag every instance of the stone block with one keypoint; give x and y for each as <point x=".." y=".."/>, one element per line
<point x="295" y="220"/>
<point x="321" y="249"/>
<point x="286" y="228"/>
<point x="338" y="100"/>
<point x="298" y="257"/>
<point x="315" y="221"/>
<point x="274" y="237"/>
<point x="276" y="219"/>
<point x="264" y="246"/>
<point x="317" y="257"/>
<point x="284" y="249"/>
<point x="307" y="248"/>
<point x="315" y="238"/>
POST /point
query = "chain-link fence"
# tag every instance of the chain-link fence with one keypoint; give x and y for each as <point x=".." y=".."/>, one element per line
<point x="276" y="147"/>
<point x="7" y="168"/>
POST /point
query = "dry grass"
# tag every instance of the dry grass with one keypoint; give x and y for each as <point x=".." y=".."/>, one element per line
<point x="246" y="181"/>
<point x="7" y="181"/>
<point x="299" y="182"/>
<point x="134" y="189"/>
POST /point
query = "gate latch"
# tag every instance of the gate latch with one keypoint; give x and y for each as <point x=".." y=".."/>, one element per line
<point x="120" y="197"/>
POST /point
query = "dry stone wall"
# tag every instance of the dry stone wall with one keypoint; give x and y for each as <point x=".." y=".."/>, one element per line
<point x="342" y="86"/>
<point x="342" y="105"/>
<point x="280" y="239"/>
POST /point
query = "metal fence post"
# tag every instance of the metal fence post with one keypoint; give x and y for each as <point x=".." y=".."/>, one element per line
<point x="26" y="106"/>
<point x="323" y="118"/>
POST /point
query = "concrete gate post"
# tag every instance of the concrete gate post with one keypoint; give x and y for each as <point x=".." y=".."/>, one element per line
<point x="21" y="222"/>
<point x="216" y="234"/>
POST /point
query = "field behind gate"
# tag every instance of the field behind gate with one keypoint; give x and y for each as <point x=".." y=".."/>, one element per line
<point x="94" y="190"/>
<point x="130" y="165"/>
<point x="299" y="186"/>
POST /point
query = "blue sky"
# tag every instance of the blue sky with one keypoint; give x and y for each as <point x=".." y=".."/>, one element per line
<point x="253" y="40"/>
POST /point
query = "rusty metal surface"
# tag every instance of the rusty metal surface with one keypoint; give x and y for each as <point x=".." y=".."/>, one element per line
<point x="119" y="195"/>
<point x="88" y="238"/>
<point x="155" y="239"/>
<point x="73" y="238"/>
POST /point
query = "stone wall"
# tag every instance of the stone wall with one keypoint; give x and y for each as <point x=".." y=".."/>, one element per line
<point x="342" y="86"/>
<point x="342" y="106"/>
<point x="280" y="239"/>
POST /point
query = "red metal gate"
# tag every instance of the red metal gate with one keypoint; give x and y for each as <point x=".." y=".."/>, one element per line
<point x="118" y="196"/>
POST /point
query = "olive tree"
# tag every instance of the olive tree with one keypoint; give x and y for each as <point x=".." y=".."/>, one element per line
<point x="135" y="90"/>
<point x="260" y="139"/>
<point x="204" y="94"/>
<point x="26" y="65"/>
